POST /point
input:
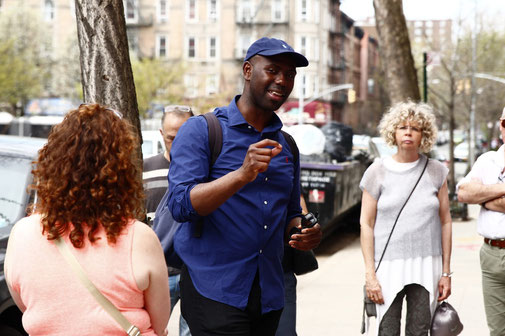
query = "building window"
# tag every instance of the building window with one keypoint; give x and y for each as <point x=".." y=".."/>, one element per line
<point x="161" y="46"/>
<point x="371" y="86"/>
<point x="191" y="85"/>
<point x="212" y="85"/>
<point x="303" y="9"/>
<point x="131" y="11"/>
<point x="212" y="5"/>
<point x="303" y="86"/>
<point x="191" y="47"/>
<point x="317" y="10"/>
<point x="162" y="11"/>
<point x="48" y="10"/>
<point x="212" y="47"/>
<point x="303" y="46"/>
<point x="191" y="10"/>
<point x="278" y="10"/>
<point x="316" y="48"/>
<point x="246" y="11"/>
<point x="244" y="43"/>
<point x="133" y="42"/>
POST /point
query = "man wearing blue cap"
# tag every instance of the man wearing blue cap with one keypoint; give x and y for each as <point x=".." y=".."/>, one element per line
<point x="249" y="199"/>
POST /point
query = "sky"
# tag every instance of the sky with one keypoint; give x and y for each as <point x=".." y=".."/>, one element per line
<point x="430" y="9"/>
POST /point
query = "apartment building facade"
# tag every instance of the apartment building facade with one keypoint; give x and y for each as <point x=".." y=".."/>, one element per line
<point x="209" y="39"/>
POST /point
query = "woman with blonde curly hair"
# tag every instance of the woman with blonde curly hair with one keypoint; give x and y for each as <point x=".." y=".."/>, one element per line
<point x="89" y="192"/>
<point x="413" y="259"/>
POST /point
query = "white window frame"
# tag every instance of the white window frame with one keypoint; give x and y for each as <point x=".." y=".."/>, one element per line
<point x="187" y="48"/>
<point x="191" y="85"/>
<point x="279" y="6"/>
<point x="158" y="46"/>
<point x="188" y="7"/>
<point x="303" y="13"/>
<point x="315" y="43"/>
<point x="135" y="18"/>
<point x="242" y="7"/>
<point x="244" y="41"/>
<point x="304" y="46"/>
<point x="49" y="11"/>
<point x="213" y="13"/>
<point x="315" y="86"/>
<point x="162" y="18"/>
<point x="209" y="47"/>
<point x="212" y="84"/>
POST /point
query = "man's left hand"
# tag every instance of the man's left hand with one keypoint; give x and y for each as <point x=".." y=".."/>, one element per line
<point x="308" y="239"/>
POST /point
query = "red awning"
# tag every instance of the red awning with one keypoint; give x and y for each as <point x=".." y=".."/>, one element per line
<point x="315" y="112"/>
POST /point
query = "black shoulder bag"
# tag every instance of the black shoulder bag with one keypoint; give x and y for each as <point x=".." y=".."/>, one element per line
<point x="368" y="305"/>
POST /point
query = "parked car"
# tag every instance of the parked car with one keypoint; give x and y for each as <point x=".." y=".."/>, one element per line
<point x="461" y="151"/>
<point x="382" y="147"/>
<point x="152" y="143"/>
<point x="16" y="156"/>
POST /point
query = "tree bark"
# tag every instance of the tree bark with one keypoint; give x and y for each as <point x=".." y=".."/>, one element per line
<point x="394" y="48"/>
<point x="107" y="76"/>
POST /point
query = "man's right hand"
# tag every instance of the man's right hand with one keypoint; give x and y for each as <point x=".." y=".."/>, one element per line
<point x="258" y="158"/>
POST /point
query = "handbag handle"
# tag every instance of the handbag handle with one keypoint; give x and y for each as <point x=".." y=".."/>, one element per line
<point x="399" y="213"/>
<point x="108" y="306"/>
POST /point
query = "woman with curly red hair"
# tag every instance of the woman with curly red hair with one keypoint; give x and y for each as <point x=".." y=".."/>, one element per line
<point x="89" y="192"/>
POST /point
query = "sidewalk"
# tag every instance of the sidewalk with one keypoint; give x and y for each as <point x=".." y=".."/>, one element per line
<point x="330" y="299"/>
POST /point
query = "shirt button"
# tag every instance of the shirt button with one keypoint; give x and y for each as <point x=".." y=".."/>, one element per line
<point x="265" y="202"/>
<point x="265" y="227"/>
<point x="266" y="178"/>
<point x="261" y="251"/>
<point x="249" y="127"/>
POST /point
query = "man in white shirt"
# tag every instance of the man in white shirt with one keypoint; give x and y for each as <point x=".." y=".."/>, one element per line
<point x="485" y="185"/>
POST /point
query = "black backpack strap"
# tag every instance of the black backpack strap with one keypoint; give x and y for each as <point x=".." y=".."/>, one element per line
<point x="215" y="136"/>
<point x="292" y="146"/>
<point x="215" y="145"/>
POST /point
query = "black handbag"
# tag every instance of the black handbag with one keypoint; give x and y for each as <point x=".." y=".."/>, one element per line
<point x="369" y="307"/>
<point x="304" y="262"/>
<point x="445" y="321"/>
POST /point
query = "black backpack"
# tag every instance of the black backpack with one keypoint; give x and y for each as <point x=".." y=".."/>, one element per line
<point x="164" y="224"/>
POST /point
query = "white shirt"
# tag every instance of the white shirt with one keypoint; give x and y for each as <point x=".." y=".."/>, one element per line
<point x="489" y="169"/>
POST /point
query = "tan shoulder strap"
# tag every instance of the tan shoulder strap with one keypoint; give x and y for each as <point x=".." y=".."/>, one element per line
<point x="130" y="329"/>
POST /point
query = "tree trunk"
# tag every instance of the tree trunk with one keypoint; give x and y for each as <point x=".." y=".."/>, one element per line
<point x="107" y="76"/>
<point x="394" y="48"/>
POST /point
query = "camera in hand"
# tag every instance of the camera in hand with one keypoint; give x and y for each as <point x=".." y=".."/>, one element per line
<point x="308" y="221"/>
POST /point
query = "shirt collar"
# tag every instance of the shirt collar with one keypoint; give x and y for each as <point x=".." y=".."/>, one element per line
<point x="235" y="118"/>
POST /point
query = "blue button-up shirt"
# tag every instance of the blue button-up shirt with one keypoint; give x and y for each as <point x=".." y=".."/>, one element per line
<point x="246" y="233"/>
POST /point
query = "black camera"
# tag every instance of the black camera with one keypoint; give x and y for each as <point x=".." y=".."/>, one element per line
<point x="308" y="221"/>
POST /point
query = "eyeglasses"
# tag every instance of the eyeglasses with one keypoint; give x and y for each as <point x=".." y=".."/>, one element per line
<point x="175" y="108"/>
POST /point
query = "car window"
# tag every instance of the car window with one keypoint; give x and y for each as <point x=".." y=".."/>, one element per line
<point x="147" y="148"/>
<point x="15" y="172"/>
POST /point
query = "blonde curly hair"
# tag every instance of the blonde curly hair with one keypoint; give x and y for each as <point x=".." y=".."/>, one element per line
<point x="409" y="111"/>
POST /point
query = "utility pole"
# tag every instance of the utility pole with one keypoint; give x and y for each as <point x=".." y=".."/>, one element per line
<point x="301" y="103"/>
<point x="425" y="77"/>
<point x="473" y="95"/>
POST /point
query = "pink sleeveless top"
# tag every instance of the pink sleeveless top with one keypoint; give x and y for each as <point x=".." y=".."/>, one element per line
<point x="56" y="301"/>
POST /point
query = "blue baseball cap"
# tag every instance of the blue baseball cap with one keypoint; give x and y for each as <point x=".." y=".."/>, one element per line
<point x="271" y="46"/>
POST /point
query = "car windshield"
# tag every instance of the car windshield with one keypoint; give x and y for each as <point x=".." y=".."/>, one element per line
<point x="383" y="148"/>
<point x="14" y="171"/>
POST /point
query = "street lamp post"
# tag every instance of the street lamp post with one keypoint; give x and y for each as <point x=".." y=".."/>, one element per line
<point x="301" y="103"/>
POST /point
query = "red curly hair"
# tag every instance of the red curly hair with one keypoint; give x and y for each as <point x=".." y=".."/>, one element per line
<point x="88" y="176"/>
